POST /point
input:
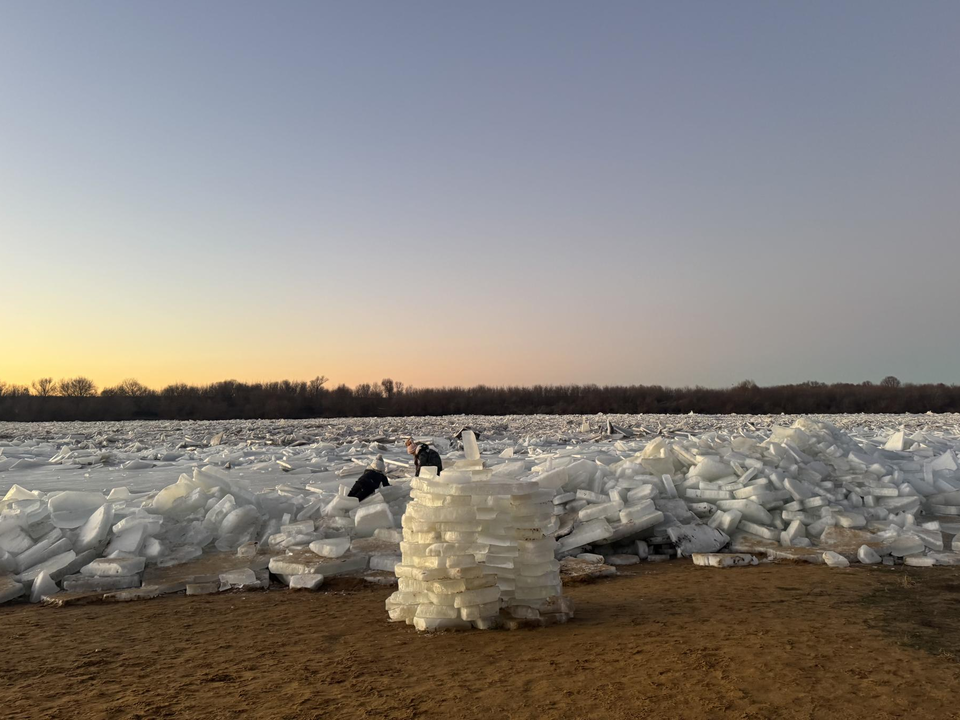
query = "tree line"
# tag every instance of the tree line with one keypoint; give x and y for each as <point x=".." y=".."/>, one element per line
<point x="80" y="399"/>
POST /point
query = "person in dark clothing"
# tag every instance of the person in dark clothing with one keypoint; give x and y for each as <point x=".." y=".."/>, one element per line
<point x="368" y="483"/>
<point x="424" y="455"/>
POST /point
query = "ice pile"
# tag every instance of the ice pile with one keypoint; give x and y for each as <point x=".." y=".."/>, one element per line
<point x="478" y="551"/>
<point x="801" y="492"/>
<point x="870" y="489"/>
<point x="94" y="543"/>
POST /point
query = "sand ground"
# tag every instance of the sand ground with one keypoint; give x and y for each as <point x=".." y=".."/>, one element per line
<point x="661" y="641"/>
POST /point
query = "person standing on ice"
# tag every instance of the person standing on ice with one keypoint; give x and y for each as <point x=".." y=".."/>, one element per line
<point x="368" y="483"/>
<point x="423" y="454"/>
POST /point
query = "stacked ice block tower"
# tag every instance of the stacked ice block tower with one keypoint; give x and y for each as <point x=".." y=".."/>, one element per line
<point x="478" y="551"/>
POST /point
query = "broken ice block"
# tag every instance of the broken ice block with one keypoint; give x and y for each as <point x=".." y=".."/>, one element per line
<point x="728" y="521"/>
<point x="471" y="450"/>
<point x="103" y="567"/>
<point x="723" y="560"/>
<point x="94" y="531"/>
<point x="331" y="547"/>
<point x="690" y="539"/>
<point x="385" y="563"/>
<point x="833" y="559"/>
<point x="306" y="582"/>
<point x="867" y="555"/>
<point x="371" y="518"/>
<point x="15" y="541"/>
<point x="83" y="583"/>
<point x="904" y="545"/>
<point x="128" y="542"/>
<point x="55" y="567"/>
<point x="72" y="508"/>
<point x="42" y="587"/>
<point x="240" y="579"/>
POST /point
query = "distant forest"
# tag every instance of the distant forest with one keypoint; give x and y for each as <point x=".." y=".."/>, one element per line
<point x="80" y="399"/>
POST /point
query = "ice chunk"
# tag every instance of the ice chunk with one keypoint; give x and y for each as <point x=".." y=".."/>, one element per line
<point x="749" y="511"/>
<point x="729" y="520"/>
<point x="867" y="555"/>
<point x="218" y="513"/>
<point x="238" y="527"/>
<point x="710" y="468"/>
<point x="240" y="579"/>
<point x="904" y="545"/>
<point x="373" y="517"/>
<point x="895" y="443"/>
<point x="54" y="566"/>
<point x="385" y="563"/>
<point x="94" y="584"/>
<point x="723" y="560"/>
<point x="71" y="508"/>
<point x="833" y="559"/>
<point x="15" y="541"/>
<point x="94" y="531"/>
<point x="306" y="582"/>
<point x="608" y="510"/>
<point x="587" y="533"/>
<point x="331" y="548"/>
<point x="43" y="587"/>
<point x="470" y="449"/>
<point x="42" y="551"/>
<point x="104" y="567"/>
<point x="797" y="489"/>
<point x="128" y="542"/>
<point x="690" y="539"/>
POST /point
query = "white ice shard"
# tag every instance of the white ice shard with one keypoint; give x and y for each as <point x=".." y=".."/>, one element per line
<point x="867" y="555"/>
<point x="94" y="531"/>
<point x="43" y="587"/>
<point x="470" y="449"/>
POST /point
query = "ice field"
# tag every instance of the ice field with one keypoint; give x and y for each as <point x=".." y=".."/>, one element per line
<point x="137" y="509"/>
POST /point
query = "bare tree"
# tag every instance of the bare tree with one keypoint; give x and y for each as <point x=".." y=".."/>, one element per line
<point x="77" y="387"/>
<point x="129" y="388"/>
<point x="890" y="382"/>
<point x="316" y="385"/>
<point x="388" y="387"/>
<point x="44" y="387"/>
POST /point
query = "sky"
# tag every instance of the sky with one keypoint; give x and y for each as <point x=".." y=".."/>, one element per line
<point x="500" y="192"/>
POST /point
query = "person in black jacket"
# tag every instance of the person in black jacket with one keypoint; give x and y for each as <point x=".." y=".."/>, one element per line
<point x="423" y="455"/>
<point x="368" y="483"/>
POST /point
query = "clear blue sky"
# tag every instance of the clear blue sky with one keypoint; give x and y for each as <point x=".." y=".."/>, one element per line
<point x="498" y="192"/>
